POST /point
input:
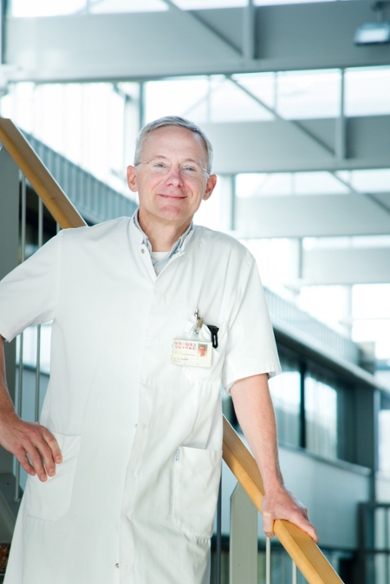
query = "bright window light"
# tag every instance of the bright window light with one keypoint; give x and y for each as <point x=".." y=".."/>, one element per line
<point x="36" y="8"/>
<point x="174" y="97"/>
<point x="203" y="4"/>
<point x="318" y="183"/>
<point x="228" y="103"/>
<point x="261" y="85"/>
<point x="371" y="301"/>
<point x="329" y="304"/>
<point x="371" y="314"/>
<point x="260" y="184"/>
<point x="371" y="181"/>
<point x="115" y="6"/>
<point x="202" y="99"/>
<point x="347" y="242"/>
<point x="288" y="183"/>
<point x="367" y="91"/>
<point x="209" y="212"/>
<point x="269" y="2"/>
<point x="309" y="94"/>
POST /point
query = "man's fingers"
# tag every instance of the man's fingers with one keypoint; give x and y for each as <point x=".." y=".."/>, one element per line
<point x="305" y="525"/>
<point x="25" y="462"/>
<point x="52" y="442"/>
<point x="33" y="445"/>
<point x="37" y="463"/>
<point x="268" y="525"/>
<point x="43" y="451"/>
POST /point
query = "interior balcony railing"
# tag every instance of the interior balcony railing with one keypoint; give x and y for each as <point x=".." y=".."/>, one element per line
<point x="374" y="542"/>
<point x="20" y="166"/>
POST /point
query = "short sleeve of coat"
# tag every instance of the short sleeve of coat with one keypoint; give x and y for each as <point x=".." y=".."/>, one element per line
<point x="29" y="294"/>
<point x="251" y="347"/>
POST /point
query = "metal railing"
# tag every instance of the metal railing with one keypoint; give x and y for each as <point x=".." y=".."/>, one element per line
<point x="374" y="542"/>
<point x="32" y="413"/>
<point x="95" y="200"/>
<point x="303" y="551"/>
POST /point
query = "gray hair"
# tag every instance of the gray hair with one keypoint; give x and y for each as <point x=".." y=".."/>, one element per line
<point x="172" y="121"/>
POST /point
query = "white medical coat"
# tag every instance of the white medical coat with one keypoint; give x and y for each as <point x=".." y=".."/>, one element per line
<point x="135" y="496"/>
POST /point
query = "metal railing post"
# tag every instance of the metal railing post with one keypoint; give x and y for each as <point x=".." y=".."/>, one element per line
<point x="19" y="400"/>
<point x="39" y="329"/>
<point x="219" y="537"/>
<point x="268" y="561"/>
<point x="294" y="576"/>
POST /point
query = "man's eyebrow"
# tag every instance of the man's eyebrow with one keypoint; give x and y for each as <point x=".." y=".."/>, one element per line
<point x="161" y="156"/>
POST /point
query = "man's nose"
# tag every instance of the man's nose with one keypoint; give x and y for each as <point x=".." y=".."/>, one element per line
<point x="174" y="175"/>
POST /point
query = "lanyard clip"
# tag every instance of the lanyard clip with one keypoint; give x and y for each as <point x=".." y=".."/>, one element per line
<point x="199" y="322"/>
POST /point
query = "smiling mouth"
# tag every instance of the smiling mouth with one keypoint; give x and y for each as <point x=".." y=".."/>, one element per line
<point x="180" y="197"/>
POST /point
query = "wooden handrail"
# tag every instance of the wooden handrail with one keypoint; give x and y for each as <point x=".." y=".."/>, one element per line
<point x="38" y="176"/>
<point x="302" y="549"/>
<point x="299" y="545"/>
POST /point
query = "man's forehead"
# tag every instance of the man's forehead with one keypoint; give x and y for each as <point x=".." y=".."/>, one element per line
<point x="170" y="136"/>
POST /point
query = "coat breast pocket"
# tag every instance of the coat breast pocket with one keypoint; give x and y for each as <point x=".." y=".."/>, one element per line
<point x="51" y="499"/>
<point x="199" y="374"/>
<point x="195" y="494"/>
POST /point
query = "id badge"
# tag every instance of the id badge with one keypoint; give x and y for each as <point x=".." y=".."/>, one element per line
<point x="191" y="353"/>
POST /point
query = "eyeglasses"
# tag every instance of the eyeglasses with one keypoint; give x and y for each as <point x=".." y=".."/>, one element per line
<point x="187" y="169"/>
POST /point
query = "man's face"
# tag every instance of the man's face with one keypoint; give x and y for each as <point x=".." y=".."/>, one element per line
<point x="171" y="198"/>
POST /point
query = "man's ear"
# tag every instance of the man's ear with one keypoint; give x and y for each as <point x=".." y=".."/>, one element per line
<point x="211" y="182"/>
<point x="132" y="178"/>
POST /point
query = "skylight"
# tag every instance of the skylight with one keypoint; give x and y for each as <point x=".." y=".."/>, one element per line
<point x="39" y="8"/>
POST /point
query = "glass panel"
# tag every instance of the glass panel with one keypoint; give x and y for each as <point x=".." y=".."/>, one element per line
<point x="209" y="212"/>
<point x="269" y="2"/>
<point x="286" y="396"/>
<point x="264" y="184"/>
<point x="199" y="4"/>
<point x="376" y="180"/>
<point x="288" y="183"/>
<point x="175" y="97"/>
<point x="309" y="94"/>
<point x="112" y="6"/>
<point x="36" y="8"/>
<point x="384" y="441"/>
<point x="277" y="260"/>
<point x="230" y="104"/>
<point x="321" y="416"/>
<point x="371" y="314"/>
<point x="328" y="304"/>
<point x="358" y="241"/>
<point x="262" y="85"/>
<point x="367" y="91"/>
<point x="91" y="124"/>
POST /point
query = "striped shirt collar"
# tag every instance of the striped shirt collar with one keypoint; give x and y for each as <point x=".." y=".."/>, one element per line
<point x="159" y="265"/>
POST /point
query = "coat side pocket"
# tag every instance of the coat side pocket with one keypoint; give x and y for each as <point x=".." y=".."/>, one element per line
<point x="51" y="499"/>
<point x="196" y="482"/>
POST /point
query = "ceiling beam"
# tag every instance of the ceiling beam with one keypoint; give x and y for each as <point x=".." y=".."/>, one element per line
<point x="279" y="146"/>
<point x="192" y="17"/>
<point x="132" y="46"/>
<point x="294" y="123"/>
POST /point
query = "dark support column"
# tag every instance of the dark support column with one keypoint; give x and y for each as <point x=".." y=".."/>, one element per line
<point x="9" y="243"/>
<point x="366" y="423"/>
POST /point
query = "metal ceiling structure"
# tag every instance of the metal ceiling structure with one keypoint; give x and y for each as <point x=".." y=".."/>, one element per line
<point x="154" y="45"/>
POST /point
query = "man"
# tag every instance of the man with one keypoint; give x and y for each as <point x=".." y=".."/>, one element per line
<point x="125" y="466"/>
